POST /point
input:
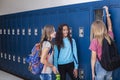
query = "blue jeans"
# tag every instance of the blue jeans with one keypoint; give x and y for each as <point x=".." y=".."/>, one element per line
<point x="101" y="73"/>
<point x="46" y="76"/>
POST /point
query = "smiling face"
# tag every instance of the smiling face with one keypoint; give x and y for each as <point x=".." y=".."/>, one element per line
<point x="65" y="31"/>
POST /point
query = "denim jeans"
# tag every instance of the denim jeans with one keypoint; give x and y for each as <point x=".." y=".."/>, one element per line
<point x="46" y="76"/>
<point x="101" y="73"/>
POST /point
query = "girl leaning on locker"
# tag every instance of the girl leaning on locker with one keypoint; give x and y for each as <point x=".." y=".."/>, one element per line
<point x="98" y="33"/>
<point x="47" y="55"/>
<point x="65" y="53"/>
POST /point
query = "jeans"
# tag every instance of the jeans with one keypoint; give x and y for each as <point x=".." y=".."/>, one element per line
<point x="46" y="76"/>
<point x="101" y="73"/>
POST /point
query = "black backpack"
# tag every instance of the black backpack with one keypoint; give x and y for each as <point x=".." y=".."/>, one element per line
<point x="110" y="59"/>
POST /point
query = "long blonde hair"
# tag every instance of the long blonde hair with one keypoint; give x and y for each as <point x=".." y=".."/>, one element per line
<point x="46" y="32"/>
<point x="99" y="31"/>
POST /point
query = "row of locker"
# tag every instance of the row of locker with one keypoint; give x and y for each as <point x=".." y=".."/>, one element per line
<point x="19" y="31"/>
<point x="30" y="31"/>
<point x="13" y="58"/>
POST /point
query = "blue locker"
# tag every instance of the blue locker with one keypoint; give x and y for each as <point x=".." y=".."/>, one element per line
<point x="19" y="34"/>
<point x="0" y="41"/>
<point x="24" y="35"/>
<point x="5" y="37"/>
<point x="8" y="36"/>
<point x="4" y="44"/>
<point x="9" y="56"/>
<point x="37" y="27"/>
<point x="16" y="36"/>
<point x="31" y="37"/>
<point x="6" y="40"/>
<point x="20" y="43"/>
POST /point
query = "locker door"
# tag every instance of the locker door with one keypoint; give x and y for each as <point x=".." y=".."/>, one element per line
<point x="2" y="41"/>
<point x="8" y="38"/>
<point x="19" y="34"/>
<point x="0" y="37"/>
<point x="31" y="37"/>
<point x="37" y="27"/>
<point x="14" y="33"/>
<point x="23" y="36"/>
<point x="9" y="56"/>
<point x="5" y="38"/>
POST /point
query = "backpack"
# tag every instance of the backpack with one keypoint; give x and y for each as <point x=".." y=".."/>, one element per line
<point x="35" y="66"/>
<point x="110" y="59"/>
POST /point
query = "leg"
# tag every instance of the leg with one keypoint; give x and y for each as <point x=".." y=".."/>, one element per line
<point x="49" y="77"/>
<point x="70" y="68"/>
<point x="42" y="76"/>
<point x="109" y="75"/>
<point x="100" y="72"/>
<point x="62" y="71"/>
<point x="46" y="77"/>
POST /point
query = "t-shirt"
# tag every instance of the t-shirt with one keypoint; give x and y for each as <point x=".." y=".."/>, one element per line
<point x="95" y="45"/>
<point x="47" y="69"/>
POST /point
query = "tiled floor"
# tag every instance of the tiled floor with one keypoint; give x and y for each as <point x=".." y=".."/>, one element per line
<point x="7" y="76"/>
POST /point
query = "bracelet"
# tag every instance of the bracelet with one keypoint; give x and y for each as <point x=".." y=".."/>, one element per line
<point x="108" y="15"/>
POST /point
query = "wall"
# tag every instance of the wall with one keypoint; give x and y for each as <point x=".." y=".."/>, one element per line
<point x="13" y="6"/>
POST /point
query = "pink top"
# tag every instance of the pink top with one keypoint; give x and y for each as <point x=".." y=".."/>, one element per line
<point x="95" y="45"/>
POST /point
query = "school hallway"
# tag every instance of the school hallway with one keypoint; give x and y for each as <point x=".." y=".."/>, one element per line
<point x="8" y="76"/>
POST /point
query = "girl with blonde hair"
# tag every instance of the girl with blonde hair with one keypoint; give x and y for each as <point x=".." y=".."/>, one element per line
<point x="98" y="33"/>
<point x="47" y="52"/>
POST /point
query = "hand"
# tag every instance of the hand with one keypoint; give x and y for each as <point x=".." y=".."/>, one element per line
<point x="93" y="76"/>
<point x="75" y="72"/>
<point x="54" y="69"/>
<point x="106" y="9"/>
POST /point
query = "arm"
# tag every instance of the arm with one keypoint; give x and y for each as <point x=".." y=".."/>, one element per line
<point x="75" y="53"/>
<point x="75" y="72"/>
<point x="45" y="61"/>
<point x="55" y="56"/>
<point x="108" y="19"/>
<point x="44" y="57"/>
<point x="93" y="61"/>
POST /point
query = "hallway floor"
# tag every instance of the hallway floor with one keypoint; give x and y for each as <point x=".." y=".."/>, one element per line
<point x="8" y="76"/>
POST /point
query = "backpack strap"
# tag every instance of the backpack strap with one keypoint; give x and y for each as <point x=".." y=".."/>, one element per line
<point x="58" y="54"/>
<point x="50" y="51"/>
<point x="97" y="57"/>
<point x="73" y="54"/>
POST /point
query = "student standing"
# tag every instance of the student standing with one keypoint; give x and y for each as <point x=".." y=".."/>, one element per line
<point x="47" y="52"/>
<point x="98" y="33"/>
<point x="65" y="56"/>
